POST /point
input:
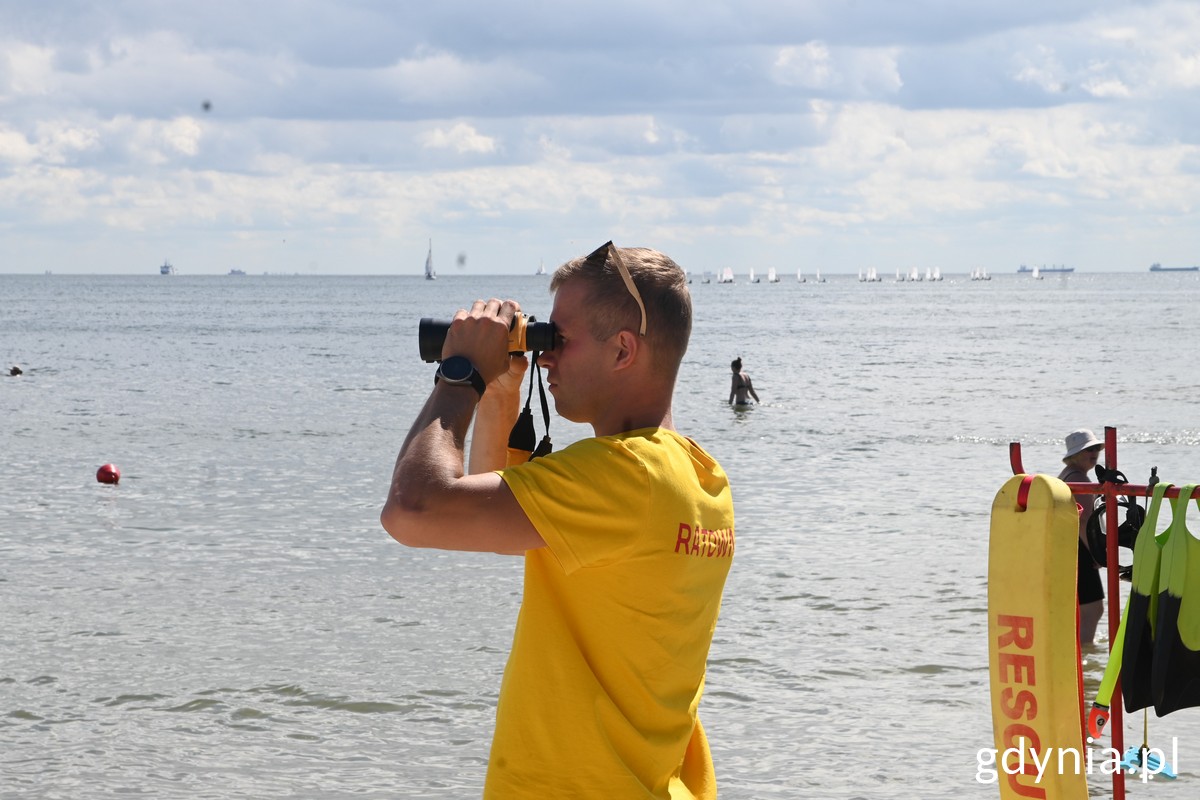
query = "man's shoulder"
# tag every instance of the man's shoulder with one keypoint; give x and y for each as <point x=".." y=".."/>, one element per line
<point x="673" y="450"/>
<point x="644" y="447"/>
<point x="655" y="438"/>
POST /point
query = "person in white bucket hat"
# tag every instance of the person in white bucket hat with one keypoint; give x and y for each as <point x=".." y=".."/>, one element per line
<point x="1083" y="451"/>
<point x="1080" y="440"/>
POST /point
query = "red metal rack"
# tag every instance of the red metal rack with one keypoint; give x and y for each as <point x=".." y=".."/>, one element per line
<point x="1110" y="491"/>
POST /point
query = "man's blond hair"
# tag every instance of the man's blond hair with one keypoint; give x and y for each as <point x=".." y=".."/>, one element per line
<point x="662" y="285"/>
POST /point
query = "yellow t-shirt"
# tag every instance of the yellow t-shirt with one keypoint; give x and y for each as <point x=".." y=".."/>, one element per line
<point x="600" y="693"/>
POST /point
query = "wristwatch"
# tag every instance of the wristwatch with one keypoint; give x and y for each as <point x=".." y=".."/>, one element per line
<point x="459" y="371"/>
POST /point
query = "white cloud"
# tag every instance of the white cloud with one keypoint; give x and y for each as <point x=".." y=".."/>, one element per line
<point x="438" y="77"/>
<point x="15" y="148"/>
<point x="63" y="141"/>
<point x="1042" y="69"/>
<point x="853" y="72"/>
<point x="808" y="65"/>
<point x="461" y="138"/>
<point x="182" y="135"/>
<point x="1110" y="87"/>
<point x="1182" y="69"/>
<point x="26" y="70"/>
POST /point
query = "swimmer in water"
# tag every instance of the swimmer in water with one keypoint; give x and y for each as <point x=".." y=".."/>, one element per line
<point x="742" y="388"/>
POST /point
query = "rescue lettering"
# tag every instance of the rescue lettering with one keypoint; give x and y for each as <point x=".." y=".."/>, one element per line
<point x="1017" y="705"/>
<point x="1020" y="631"/>
<point x="1020" y="739"/>
<point x="1016" y="668"/>
<point x="704" y="542"/>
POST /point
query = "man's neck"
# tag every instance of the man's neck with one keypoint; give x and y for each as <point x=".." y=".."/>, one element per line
<point x="634" y="421"/>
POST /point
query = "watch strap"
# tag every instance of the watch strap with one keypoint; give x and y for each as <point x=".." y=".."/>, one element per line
<point x="473" y="379"/>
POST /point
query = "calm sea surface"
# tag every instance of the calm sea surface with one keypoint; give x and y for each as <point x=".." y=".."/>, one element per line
<point x="231" y="621"/>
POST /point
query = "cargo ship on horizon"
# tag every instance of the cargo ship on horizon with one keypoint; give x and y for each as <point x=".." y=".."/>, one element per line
<point x="1045" y="270"/>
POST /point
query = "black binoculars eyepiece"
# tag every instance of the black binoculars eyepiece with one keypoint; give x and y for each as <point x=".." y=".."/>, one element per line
<point x="526" y="334"/>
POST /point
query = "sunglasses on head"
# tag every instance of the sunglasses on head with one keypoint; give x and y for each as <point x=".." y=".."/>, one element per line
<point x="607" y="250"/>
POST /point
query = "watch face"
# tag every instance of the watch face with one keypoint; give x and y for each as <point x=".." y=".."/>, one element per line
<point x="456" y="369"/>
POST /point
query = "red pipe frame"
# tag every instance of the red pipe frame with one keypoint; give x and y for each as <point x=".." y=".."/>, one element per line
<point x="1110" y="491"/>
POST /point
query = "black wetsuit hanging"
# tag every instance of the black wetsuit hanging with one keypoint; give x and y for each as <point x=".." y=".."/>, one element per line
<point x="1175" y="673"/>
<point x="1141" y="613"/>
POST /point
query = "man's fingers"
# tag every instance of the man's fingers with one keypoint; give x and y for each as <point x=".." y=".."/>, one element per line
<point x="509" y="310"/>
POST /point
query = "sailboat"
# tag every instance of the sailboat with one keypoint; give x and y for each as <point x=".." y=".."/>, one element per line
<point x="752" y="278"/>
<point x="771" y="276"/>
<point x="430" y="275"/>
<point x="799" y="277"/>
<point x="541" y="268"/>
<point x="726" y="275"/>
<point x="819" y="278"/>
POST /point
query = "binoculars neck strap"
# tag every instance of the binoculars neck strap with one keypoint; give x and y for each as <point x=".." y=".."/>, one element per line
<point x="522" y="436"/>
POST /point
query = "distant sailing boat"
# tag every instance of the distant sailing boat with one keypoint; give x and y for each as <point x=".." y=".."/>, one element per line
<point x="799" y="277"/>
<point x="430" y="275"/>
<point x="726" y="276"/>
<point x="541" y="268"/>
<point x="771" y="276"/>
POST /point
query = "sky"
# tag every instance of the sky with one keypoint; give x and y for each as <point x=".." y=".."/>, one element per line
<point x="350" y="136"/>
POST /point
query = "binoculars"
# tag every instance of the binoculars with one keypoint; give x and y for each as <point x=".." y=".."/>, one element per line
<point x="525" y="334"/>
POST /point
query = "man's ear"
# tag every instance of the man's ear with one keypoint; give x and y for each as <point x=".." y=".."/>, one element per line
<point x="629" y="349"/>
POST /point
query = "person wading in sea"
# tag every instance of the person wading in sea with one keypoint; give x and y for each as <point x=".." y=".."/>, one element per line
<point x="742" y="388"/>
<point x="1083" y="452"/>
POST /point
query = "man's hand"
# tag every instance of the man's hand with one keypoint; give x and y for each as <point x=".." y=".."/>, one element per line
<point x="512" y="381"/>
<point x="495" y="416"/>
<point x="481" y="336"/>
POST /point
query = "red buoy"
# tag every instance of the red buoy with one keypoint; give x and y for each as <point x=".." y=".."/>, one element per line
<point x="108" y="474"/>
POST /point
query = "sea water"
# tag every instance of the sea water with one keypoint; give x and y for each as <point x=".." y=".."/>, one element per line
<point x="230" y="621"/>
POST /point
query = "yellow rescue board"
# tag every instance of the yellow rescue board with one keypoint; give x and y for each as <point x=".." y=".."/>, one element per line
<point x="1033" y="643"/>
